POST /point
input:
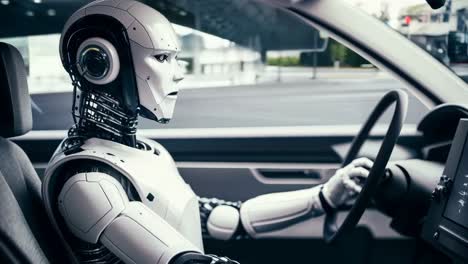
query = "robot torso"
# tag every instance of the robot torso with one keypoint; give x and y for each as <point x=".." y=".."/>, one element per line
<point x="149" y="174"/>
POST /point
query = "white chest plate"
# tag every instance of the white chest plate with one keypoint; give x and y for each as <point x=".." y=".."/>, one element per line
<point x="154" y="175"/>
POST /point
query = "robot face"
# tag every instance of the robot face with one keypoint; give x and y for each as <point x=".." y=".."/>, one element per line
<point x="154" y="47"/>
<point x="157" y="72"/>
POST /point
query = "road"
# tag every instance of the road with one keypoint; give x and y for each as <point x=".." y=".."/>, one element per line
<point x="303" y="103"/>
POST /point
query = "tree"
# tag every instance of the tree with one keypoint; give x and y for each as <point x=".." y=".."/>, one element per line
<point x="338" y="52"/>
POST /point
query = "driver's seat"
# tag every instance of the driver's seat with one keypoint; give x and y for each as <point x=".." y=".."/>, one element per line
<point x="25" y="233"/>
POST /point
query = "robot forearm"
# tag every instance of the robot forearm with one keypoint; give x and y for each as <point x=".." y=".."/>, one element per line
<point x="138" y="235"/>
<point x="262" y="214"/>
<point x="276" y="211"/>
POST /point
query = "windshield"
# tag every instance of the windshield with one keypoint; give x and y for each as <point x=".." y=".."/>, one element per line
<point x="247" y="63"/>
<point x="443" y="33"/>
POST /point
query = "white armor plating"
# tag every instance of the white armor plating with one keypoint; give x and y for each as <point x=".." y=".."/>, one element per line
<point x="154" y="46"/>
<point x="113" y="220"/>
<point x="276" y="211"/>
<point x="150" y="173"/>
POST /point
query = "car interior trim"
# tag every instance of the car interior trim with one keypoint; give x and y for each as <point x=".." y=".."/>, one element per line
<point x="240" y="132"/>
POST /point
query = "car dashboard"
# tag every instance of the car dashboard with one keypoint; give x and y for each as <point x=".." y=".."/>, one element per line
<point x="446" y="224"/>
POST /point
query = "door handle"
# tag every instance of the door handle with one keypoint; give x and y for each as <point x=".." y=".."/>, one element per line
<point x="301" y="174"/>
<point x="312" y="174"/>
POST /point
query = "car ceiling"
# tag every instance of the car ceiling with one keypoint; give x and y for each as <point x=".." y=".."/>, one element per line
<point x="245" y="22"/>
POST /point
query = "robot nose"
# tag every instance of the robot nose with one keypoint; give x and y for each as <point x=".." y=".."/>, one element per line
<point x="178" y="77"/>
<point x="179" y="71"/>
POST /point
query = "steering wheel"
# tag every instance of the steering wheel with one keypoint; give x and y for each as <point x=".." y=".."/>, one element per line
<point x="331" y="231"/>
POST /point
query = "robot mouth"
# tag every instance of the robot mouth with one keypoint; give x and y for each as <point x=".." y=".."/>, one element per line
<point x="163" y="120"/>
<point x="173" y="94"/>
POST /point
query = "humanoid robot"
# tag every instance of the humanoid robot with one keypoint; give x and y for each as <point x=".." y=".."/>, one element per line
<point x="113" y="197"/>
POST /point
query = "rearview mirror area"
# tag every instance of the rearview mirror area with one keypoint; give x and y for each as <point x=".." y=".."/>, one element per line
<point x="436" y="4"/>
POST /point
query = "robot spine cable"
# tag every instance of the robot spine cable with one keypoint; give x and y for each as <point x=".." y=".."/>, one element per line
<point x="100" y="114"/>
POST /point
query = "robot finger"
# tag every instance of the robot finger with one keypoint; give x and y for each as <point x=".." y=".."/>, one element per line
<point x="351" y="185"/>
<point x="363" y="162"/>
<point x="358" y="172"/>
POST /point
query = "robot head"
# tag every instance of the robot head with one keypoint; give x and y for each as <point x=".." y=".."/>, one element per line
<point x="127" y="50"/>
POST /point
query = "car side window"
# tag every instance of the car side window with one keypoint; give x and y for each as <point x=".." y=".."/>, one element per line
<point x="260" y="76"/>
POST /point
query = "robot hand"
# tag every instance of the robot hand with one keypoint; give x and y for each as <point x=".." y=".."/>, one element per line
<point x="346" y="182"/>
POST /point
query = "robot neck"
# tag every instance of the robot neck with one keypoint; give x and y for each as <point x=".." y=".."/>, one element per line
<point x="102" y="116"/>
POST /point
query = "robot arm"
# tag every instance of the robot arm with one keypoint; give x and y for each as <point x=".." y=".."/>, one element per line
<point x="220" y="219"/>
<point x="277" y="211"/>
<point x="262" y="214"/>
<point x="96" y="209"/>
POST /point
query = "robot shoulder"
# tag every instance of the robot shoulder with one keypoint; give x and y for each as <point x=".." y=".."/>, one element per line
<point x="156" y="146"/>
<point x="89" y="202"/>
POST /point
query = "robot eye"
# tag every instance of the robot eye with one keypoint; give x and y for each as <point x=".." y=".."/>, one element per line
<point x="161" y="57"/>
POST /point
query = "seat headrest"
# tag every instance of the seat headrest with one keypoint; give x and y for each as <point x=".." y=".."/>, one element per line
<point x="15" y="102"/>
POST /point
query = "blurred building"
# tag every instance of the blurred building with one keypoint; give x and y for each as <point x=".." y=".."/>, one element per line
<point x="442" y="32"/>
<point x="219" y="65"/>
<point x="231" y="59"/>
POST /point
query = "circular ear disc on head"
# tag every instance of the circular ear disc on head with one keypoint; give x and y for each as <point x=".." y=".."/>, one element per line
<point x="98" y="61"/>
